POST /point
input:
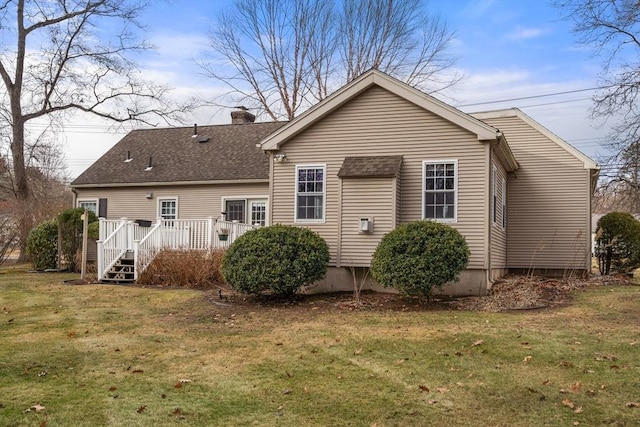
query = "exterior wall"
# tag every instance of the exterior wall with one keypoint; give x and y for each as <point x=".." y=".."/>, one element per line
<point x="498" y="232"/>
<point x="194" y="201"/>
<point x="378" y="122"/>
<point x="548" y="202"/>
<point x="364" y="197"/>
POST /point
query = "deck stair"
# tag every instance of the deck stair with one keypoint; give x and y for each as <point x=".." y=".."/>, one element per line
<point x="123" y="271"/>
<point x="126" y="248"/>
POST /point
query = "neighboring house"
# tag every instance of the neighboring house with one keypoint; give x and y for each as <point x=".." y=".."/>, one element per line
<point x="374" y="154"/>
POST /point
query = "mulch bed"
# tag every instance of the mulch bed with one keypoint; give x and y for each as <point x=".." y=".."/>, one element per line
<point x="528" y="293"/>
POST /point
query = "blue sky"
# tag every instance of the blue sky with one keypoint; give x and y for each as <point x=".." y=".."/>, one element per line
<point x="506" y="49"/>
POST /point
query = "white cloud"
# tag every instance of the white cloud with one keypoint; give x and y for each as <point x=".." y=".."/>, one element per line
<point x="522" y="33"/>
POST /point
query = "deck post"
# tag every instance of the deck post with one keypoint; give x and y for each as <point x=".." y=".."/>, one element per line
<point x="136" y="251"/>
<point x="102" y="228"/>
<point x="100" y="249"/>
<point x="130" y="236"/>
<point x="210" y="231"/>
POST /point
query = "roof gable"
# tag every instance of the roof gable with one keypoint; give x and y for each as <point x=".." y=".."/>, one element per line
<point x="515" y="114"/>
<point x="216" y="153"/>
<point x="374" y="77"/>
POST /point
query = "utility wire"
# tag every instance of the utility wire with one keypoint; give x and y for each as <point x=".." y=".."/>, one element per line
<point x="537" y="96"/>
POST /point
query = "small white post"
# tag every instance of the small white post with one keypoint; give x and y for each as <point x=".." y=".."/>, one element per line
<point x="85" y="239"/>
<point x="136" y="264"/>
<point x="210" y="231"/>
<point x="130" y="236"/>
<point x="102" y="230"/>
<point x="100" y="249"/>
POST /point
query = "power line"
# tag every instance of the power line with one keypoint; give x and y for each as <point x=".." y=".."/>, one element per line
<point x="537" y="96"/>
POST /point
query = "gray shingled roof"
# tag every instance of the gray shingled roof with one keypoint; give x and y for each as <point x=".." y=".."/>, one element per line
<point x="229" y="154"/>
<point x="370" y="166"/>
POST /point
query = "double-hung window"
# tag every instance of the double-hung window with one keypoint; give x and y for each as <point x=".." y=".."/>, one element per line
<point x="90" y="205"/>
<point x="168" y="209"/>
<point x="310" y="193"/>
<point x="440" y="187"/>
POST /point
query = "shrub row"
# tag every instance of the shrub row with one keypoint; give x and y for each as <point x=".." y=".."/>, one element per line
<point x="414" y="258"/>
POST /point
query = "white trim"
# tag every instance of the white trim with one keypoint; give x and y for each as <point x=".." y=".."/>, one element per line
<point x="322" y="166"/>
<point x="483" y="131"/>
<point x="504" y="202"/>
<point x="163" y="198"/>
<point x="494" y="194"/>
<point x="83" y="200"/>
<point x="247" y="200"/>
<point x="515" y="112"/>
<point x="455" y="188"/>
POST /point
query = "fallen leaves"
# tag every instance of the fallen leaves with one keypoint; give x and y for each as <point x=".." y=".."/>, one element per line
<point x="632" y="405"/>
<point x="574" y="388"/>
<point x="37" y="408"/>
<point x="526" y="359"/>
<point x="424" y="388"/>
<point x="141" y="409"/>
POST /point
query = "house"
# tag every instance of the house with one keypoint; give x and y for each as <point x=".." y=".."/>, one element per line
<point x="184" y="173"/>
<point x="374" y="154"/>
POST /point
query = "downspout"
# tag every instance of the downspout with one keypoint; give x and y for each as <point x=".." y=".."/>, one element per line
<point x="270" y="201"/>
<point x="75" y="196"/>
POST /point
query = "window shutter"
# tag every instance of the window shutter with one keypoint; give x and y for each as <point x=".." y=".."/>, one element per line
<point x="102" y="208"/>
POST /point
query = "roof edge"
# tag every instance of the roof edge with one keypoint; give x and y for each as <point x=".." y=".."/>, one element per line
<point x="587" y="162"/>
<point x="373" y="77"/>
<point x="171" y="183"/>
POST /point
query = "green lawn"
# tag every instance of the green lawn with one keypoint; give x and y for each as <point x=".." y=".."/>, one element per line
<point x="115" y="355"/>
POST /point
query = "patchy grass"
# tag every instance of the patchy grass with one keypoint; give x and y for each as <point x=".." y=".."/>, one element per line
<point x="130" y="356"/>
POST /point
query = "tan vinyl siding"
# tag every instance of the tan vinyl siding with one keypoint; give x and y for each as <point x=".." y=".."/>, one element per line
<point x="547" y="218"/>
<point x="498" y="233"/>
<point x="194" y="201"/>
<point x="364" y="197"/>
<point x="378" y="122"/>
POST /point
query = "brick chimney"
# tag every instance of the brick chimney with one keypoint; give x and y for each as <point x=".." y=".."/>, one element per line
<point x="242" y="116"/>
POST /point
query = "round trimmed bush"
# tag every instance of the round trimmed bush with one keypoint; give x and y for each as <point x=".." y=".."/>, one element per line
<point x="42" y="245"/>
<point x="279" y="258"/>
<point x="417" y="257"/>
<point x="618" y="242"/>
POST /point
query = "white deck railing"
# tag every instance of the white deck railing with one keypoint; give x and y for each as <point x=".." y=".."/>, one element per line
<point x="118" y="237"/>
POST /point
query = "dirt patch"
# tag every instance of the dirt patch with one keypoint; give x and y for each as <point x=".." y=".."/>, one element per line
<point x="509" y="293"/>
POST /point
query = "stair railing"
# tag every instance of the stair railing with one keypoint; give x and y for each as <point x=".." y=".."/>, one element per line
<point x="146" y="249"/>
<point x="114" y="246"/>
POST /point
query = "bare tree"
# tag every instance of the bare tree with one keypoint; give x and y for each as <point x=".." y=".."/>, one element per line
<point x="282" y="56"/>
<point x="612" y="29"/>
<point x="46" y="177"/>
<point x="269" y="52"/>
<point x="59" y="56"/>
<point x="397" y="37"/>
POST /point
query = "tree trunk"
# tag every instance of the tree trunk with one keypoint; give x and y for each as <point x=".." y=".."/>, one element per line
<point x="21" y="185"/>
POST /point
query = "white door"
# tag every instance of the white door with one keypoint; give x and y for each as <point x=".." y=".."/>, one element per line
<point x="257" y="212"/>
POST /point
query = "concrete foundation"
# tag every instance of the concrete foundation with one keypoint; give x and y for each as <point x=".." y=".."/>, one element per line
<point x="340" y="279"/>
